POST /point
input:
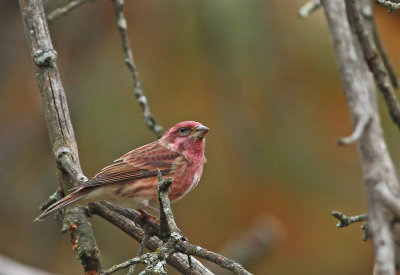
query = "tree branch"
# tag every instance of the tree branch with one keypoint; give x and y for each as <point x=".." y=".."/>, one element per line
<point x="178" y="260"/>
<point x="59" y="125"/>
<point x="138" y="91"/>
<point x="359" y="128"/>
<point x="367" y="13"/>
<point x="373" y="60"/>
<point x="308" y="8"/>
<point x="347" y="220"/>
<point x="55" y="14"/>
<point x="391" y="6"/>
<point x="377" y="166"/>
<point x="174" y="242"/>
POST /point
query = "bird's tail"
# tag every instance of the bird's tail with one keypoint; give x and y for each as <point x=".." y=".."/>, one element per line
<point x="71" y="198"/>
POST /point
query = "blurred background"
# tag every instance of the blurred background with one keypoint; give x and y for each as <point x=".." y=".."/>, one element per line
<point x="262" y="79"/>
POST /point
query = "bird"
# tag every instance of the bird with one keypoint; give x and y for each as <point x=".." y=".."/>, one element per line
<point x="132" y="179"/>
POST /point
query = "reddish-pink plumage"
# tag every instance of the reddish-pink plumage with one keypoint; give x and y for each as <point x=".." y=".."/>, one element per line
<point x="132" y="178"/>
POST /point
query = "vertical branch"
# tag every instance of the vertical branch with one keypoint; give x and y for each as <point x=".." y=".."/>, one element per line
<point x="377" y="167"/>
<point x="372" y="57"/>
<point x="59" y="126"/>
<point x="138" y="91"/>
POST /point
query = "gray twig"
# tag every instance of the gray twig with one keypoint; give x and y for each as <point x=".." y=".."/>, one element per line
<point x="125" y="264"/>
<point x="117" y="216"/>
<point x="222" y="261"/>
<point x="347" y="220"/>
<point x="139" y="253"/>
<point x="358" y="131"/>
<point x="167" y="221"/>
<point x="381" y="48"/>
<point x="59" y="126"/>
<point x="367" y="234"/>
<point x="138" y="91"/>
<point x="391" y="6"/>
<point x="308" y="8"/>
<point x="373" y="60"/>
<point x="64" y="10"/>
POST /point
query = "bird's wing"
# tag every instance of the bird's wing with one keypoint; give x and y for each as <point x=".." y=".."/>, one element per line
<point x="140" y="163"/>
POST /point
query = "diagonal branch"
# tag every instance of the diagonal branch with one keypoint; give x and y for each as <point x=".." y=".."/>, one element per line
<point x="55" y="14"/>
<point x="174" y="242"/>
<point x="390" y="5"/>
<point x="138" y="91"/>
<point x="60" y="129"/>
<point x="374" y="60"/>
<point x="119" y="219"/>
<point x="381" y="48"/>
<point x="308" y="8"/>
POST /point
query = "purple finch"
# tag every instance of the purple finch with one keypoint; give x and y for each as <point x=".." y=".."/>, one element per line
<point x="132" y="178"/>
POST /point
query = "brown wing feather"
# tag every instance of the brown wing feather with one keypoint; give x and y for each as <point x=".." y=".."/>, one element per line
<point x="138" y="164"/>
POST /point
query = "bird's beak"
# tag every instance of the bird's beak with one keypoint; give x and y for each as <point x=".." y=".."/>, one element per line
<point x="200" y="131"/>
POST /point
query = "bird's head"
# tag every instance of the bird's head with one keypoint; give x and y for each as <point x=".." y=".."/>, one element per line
<point x="187" y="136"/>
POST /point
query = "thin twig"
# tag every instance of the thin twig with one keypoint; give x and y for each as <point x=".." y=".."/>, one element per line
<point x="167" y="221"/>
<point x="174" y="241"/>
<point x="358" y="131"/>
<point x="347" y="220"/>
<point x="64" y="10"/>
<point x="222" y="261"/>
<point x="374" y="61"/>
<point x="125" y="264"/>
<point x="138" y="91"/>
<point x="177" y="260"/>
<point x="391" y="6"/>
<point x="308" y="8"/>
<point x="367" y="13"/>
<point x="138" y="254"/>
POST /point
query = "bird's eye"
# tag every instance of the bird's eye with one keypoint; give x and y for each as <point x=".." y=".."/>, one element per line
<point x="183" y="131"/>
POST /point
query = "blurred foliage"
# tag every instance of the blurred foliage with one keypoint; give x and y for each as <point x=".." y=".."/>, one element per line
<point x="262" y="79"/>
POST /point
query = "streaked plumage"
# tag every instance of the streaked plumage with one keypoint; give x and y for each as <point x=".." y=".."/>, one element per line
<point x="132" y="178"/>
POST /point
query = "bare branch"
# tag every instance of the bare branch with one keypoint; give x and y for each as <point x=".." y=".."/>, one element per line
<point x="138" y="91"/>
<point x="347" y="220"/>
<point x="367" y="13"/>
<point x="167" y="224"/>
<point x="177" y="260"/>
<point x="376" y="163"/>
<point x="222" y="261"/>
<point x="59" y="125"/>
<point x="374" y="61"/>
<point x="167" y="221"/>
<point x="126" y="264"/>
<point x="391" y="6"/>
<point x="308" y="8"/>
<point x="55" y="14"/>
<point x="359" y="128"/>
<point x="138" y="254"/>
